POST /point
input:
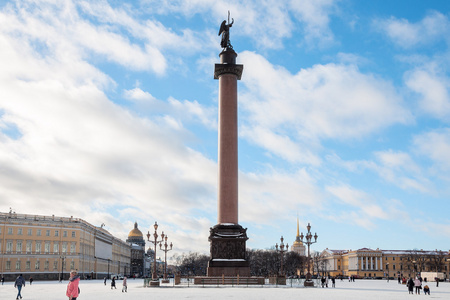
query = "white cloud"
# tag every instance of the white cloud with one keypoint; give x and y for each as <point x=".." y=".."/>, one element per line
<point x="363" y="209"/>
<point x="399" y="169"/>
<point x="433" y="27"/>
<point x="396" y="167"/>
<point x="78" y="153"/>
<point x="323" y="102"/>
<point x="435" y="145"/>
<point x="315" y="15"/>
<point x="267" y="23"/>
<point x="277" y="194"/>
<point x="433" y="89"/>
<point x="58" y="31"/>
<point x="183" y="111"/>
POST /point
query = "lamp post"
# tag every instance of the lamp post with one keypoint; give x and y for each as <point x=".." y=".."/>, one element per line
<point x="165" y="256"/>
<point x="155" y="242"/>
<point x="415" y="272"/>
<point x="448" y="270"/>
<point x="387" y="268"/>
<point x="62" y="267"/>
<point x="282" y="251"/>
<point x="308" y="241"/>
<point x="108" y="268"/>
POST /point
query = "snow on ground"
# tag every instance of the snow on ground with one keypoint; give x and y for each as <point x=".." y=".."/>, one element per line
<point x="95" y="289"/>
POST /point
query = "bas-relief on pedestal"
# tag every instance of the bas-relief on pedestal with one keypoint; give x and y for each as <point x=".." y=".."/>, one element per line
<point x="228" y="251"/>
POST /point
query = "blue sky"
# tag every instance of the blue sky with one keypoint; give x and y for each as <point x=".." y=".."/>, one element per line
<point x="108" y="112"/>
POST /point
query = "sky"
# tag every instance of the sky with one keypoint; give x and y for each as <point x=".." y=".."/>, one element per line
<point x="109" y="110"/>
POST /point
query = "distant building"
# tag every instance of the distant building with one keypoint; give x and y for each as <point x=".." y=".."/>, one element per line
<point x="149" y="263"/>
<point x="298" y="246"/>
<point x="367" y="262"/>
<point x="48" y="247"/>
<point x="137" y="243"/>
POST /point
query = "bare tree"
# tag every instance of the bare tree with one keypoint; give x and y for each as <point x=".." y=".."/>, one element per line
<point x="436" y="261"/>
<point x="414" y="260"/>
<point x="193" y="263"/>
<point x="294" y="262"/>
<point x="318" y="263"/>
<point x="263" y="262"/>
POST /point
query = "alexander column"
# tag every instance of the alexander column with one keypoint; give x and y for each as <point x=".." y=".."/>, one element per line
<point x="227" y="238"/>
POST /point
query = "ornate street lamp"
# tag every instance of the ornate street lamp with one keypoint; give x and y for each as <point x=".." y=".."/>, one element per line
<point x="155" y="242"/>
<point x="308" y="241"/>
<point x="165" y="256"/>
<point x="282" y="251"/>
<point x="62" y="268"/>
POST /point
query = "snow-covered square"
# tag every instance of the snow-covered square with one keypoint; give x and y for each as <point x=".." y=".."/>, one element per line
<point x="95" y="289"/>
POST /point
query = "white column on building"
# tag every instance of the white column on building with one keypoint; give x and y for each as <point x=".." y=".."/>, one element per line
<point x="376" y="263"/>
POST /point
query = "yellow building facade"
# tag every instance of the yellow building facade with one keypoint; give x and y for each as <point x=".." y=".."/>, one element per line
<point x="48" y="247"/>
<point x="365" y="262"/>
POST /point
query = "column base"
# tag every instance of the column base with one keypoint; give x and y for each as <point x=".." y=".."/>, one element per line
<point x="308" y="283"/>
<point x="228" y="251"/>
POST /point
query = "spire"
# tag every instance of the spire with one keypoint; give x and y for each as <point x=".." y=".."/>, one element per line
<point x="135" y="225"/>
<point x="298" y="242"/>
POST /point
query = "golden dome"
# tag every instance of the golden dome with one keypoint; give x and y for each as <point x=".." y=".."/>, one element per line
<point x="297" y="242"/>
<point x="135" y="232"/>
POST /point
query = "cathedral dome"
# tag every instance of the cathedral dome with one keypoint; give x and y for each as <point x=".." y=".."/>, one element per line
<point x="135" y="232"/>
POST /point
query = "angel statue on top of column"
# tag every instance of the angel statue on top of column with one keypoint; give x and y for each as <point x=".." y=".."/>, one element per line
<point x="225" y="32"/>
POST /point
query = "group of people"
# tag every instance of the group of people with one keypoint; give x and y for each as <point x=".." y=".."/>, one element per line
<point x="417" y="285"/>
<point x="113" y="283"/>
<point x="324" y="280"/>
<point x="72" y="290"/>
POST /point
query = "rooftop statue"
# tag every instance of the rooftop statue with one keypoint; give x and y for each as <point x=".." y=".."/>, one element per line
<point x="225" y="32"/>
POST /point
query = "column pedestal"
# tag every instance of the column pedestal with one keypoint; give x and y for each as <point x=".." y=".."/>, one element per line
<point x="228" y="251"/>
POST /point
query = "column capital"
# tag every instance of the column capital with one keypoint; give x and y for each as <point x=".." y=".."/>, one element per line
<point x="234" y="69"/>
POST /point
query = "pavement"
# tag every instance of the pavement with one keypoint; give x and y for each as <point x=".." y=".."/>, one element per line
<point x="95" y="290"/>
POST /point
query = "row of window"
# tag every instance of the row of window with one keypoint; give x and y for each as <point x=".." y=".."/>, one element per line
<point x="37" y="265"/>
<point x="38" y="248"/>
<point x="38" y="232"/>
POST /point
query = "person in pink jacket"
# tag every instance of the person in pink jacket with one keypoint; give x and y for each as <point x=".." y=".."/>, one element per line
<point x="124" y="283"/>
<point x="418" y="285"/>
<point x="72" y="288"/>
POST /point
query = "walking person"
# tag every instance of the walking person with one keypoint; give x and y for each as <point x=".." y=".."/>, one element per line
<point x="124" y="284"/>
<point x="410" y="285"/>
<point x="19" y="283"/>
<point x="113" y="282"/>
<point x="73" y="289"/>
<point x="437" y="282"/>
<point x="31" y="280"/>
<point x="104" y="281"/>
<point x="418" y="285"/>
<point x="3" y="280"/>
<point x="333" y="282"/>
